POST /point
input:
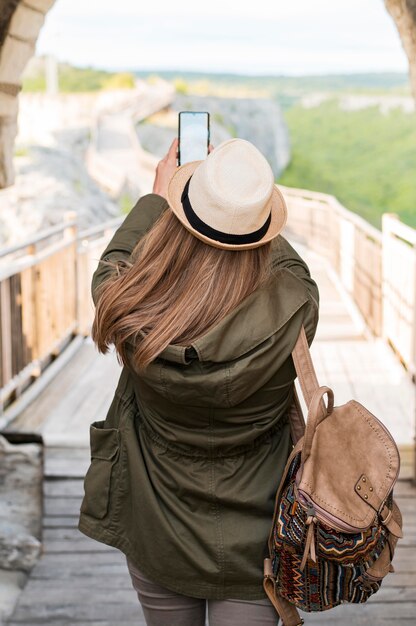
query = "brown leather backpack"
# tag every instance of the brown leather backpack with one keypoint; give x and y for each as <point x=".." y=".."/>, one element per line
<point x="335" y="524"/>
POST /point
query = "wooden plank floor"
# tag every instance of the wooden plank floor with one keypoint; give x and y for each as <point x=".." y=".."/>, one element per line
<point x="78" y="581"/>
<point x="80" y="394"/>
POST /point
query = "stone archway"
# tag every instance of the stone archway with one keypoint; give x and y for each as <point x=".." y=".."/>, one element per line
<point x="20" y="24"/>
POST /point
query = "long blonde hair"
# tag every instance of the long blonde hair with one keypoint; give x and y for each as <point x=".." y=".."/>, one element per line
<point x="172" y="289"/>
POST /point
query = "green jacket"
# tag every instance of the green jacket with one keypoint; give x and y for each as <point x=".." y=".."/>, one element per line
<point x="185" y="466"/>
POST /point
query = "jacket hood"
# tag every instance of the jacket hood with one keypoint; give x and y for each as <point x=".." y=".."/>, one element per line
<point x="234" y="358"/>
<point x="254" y="320"/>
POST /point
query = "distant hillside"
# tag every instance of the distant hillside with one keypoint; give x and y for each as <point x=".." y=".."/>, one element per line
<point x="368" y="83"/>
<point x="366" y="158"/>
<point x="78" y="79"/>
<point x="74" y="79"/>
<point x="363" y="153"/>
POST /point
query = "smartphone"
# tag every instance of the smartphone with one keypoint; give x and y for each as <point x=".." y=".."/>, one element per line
<point x="193" y="136"/>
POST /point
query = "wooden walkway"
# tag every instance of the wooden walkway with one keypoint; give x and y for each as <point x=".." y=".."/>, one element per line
<point x="78" y="581"/>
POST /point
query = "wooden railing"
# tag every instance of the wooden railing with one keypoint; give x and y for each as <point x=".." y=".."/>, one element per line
<point x="91" y="243"/>
<point x="399" y="289"/>
<point x="45" y="299"/>
<point x="377" y="268"/>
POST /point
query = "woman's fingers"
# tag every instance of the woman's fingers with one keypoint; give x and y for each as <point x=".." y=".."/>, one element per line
<point x="167" y="167"/>
<point x="165" y="170"/>
<point x="173" y="150"/>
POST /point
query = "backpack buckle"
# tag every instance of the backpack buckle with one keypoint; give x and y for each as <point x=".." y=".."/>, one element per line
<point x="388" y="517"/>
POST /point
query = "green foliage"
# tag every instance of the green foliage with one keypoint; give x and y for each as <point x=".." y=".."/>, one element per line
<point x="80" y="79"/>
<point x="153" y="79"/>
<point x="21" y="151"/>
<point x="77" y="186"/>
<point x="34" y="83"/>
<point x="231" y="129"/>
<point x="289" y="87"/>
<point x="181" y="86"/>
<point x="124" y="80"/>
<point x="365" y="158"/>
<point x="125" y="202"/>
<point x="218" y="118"/>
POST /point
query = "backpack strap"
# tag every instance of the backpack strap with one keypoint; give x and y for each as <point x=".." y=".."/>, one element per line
<point x="309" y="384"/>
<point x="296" y="419"/>
<point x="305" y="370"/>
<point x="287" y="611"/>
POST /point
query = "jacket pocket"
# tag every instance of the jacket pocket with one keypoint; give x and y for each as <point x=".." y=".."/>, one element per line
<point x="104" y="445"/>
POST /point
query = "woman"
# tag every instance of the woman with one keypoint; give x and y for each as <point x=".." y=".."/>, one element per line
<point x="203" y="299"/>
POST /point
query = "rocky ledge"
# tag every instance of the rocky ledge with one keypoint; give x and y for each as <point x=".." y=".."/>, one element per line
<point x="51" y="180"/>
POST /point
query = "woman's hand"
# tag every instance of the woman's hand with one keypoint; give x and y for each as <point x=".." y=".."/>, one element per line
<point x="165" y="170"/>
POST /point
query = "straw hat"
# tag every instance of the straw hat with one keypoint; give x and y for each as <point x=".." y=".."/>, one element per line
<point x="229" y="200"/>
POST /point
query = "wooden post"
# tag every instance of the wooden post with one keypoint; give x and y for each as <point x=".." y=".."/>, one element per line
<point x="414" y="359"/>
<point x="347" y="255"/>
<point x="71" y="233"/>
<point x="6" y="334"/>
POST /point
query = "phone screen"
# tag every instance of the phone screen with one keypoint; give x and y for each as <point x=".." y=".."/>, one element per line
<point x="193" y="136"/>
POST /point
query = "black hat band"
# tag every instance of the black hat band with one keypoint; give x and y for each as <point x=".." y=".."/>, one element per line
<point x="218" y="235"/>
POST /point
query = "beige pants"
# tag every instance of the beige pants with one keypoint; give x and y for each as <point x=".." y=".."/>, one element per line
<point x="162" y="607"/>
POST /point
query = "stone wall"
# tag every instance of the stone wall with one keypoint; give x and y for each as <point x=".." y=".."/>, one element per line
<point x="20" y="25"/>
<point x="21" y="471"/>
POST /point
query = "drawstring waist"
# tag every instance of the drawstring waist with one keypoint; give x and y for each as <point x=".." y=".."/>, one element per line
<point x="213" y="449"/>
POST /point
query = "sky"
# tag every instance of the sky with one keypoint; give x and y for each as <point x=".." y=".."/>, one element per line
<point x="289" y="37"/>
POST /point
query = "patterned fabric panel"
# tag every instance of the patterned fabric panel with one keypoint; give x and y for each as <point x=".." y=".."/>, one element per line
<point x="322" y="585"/>
<point x="330" y="544"/>
<point x="291" y="519"/>
<point x="349" y="548"/>
<point x="338" y="576"/>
